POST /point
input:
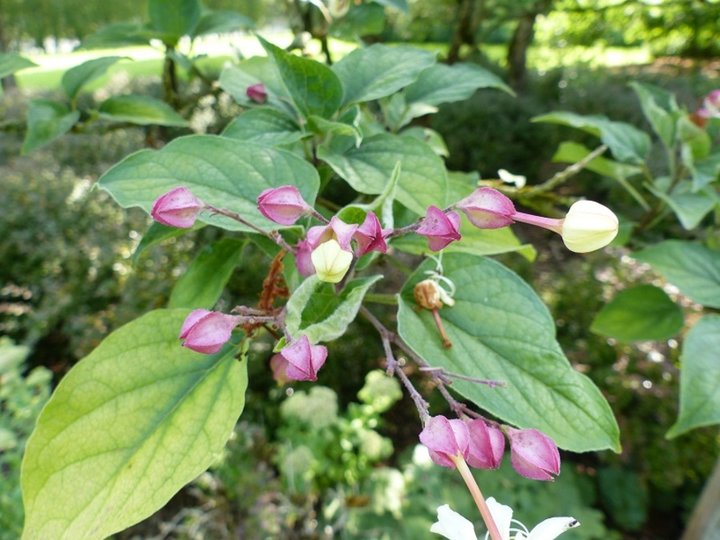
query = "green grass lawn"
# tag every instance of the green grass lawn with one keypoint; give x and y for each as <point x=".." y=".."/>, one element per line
<point x="147" y="61"/>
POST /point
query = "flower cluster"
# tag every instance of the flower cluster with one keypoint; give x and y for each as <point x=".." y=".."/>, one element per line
<point x="453" y="526"/>
<point x="481" y="445"/>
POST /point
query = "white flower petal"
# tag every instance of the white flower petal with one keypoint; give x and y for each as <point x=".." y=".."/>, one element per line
<point x="452" y="525"/>
<point x="502" y="515"/>
<point x="552" y="528"/>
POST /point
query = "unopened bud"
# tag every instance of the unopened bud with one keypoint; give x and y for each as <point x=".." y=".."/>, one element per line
<point x="207" y="331"/>
<point x="177" y="208"/>
<point x="487" y="208"/>
<point x="533" y="454"/>
<point x="282" y="205"/>
<point x="257" y="93"/>
<point x="588" y="226"/>
<point x="331" y="262"/>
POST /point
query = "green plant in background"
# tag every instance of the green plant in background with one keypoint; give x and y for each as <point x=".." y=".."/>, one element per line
<point x="21" y="398"/>
<point x="684" y="189"/>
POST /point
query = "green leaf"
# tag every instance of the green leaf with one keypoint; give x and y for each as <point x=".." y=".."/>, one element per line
<point x="264" y="126"/>
<point x="696" y="142"/>
<point x="660" y="108"/>
<point x="325" y="127"/>
<point x="474" y="242"/>
<point x="692" y="268"/>
<point x="430" y="137"/>
<point x="639" y="313"/>
<point x="157" y="233"/>
<point x="141" y="110"/>
<point x="626" y="142"/>
<point x="46" y="121"/>
<point x="317" y="311"/>
<point x="423" y="179"/>
<point x="445" y="84"/>
<point x="313" y="86"/>
<point x="705" y="171"/>
<point x="379" y="70"/>
<point x="174" y="18"/>
<point x="572" y="152"/>
<point x="126" y="428"/>
<point x="500" y="330"/>
<point x="75" y="78"/>
<point x="222" y="172"/>
<point x="399" y="113"/>
<point x="203" y="282"/>
<point x="689" y="207"/>
<point x="11" y="62"/>
<point x="699" y="377"/>
<point x="218" y="22"/>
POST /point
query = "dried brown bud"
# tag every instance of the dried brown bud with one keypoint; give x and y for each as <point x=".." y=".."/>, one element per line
<point x="427" y="294"/>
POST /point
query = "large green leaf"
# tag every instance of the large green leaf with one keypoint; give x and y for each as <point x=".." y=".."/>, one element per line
<point x="174" y="18"/>
<point x="264" y="125"/>
<point x="692" y="268"/>
<point x="317" y="311"/>
<point x="500" y="330"/>
<point x="423" y="178"/>
<point x="126" y="428"/>
<point x="46" y="121"/>
<point x="639" y="313"/>
<point x="699" y="377"/>
<point x="380" y="70"/>
<point x="444" y="84"/>
<point x="11" y="62"/>
<point x="223" y="172"/>
<point x="141" y="110"/>
<point x="75" y="78"/>
<point x="203" y="282"/>
<point x="313" y="86"/>
<point x="626" y="142"/>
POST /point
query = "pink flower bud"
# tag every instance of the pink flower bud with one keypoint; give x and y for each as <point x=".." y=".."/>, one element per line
<point x="257" y="93"/>
<point x="487" y="208"/>
<point x="303" y="259"/>
<point x="487" y="445"/>
<point x="533" y="454"/>
<point x="303" y="360"/>
<point x="282" y="205"/>
<point x="337" y="229"/>
<point x="279" y="365"/>
<point x="207" y="331"/>
<point x="370" y="236"/>
<point x="177" y="208"/>
<point x="445" y="439"/>
<point x="440" y="228"/>
<point x="711" y="105"/>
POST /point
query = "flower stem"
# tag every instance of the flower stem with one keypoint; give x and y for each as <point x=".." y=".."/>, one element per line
<point x="551" y="224"/>
<point x="477" y="496"/>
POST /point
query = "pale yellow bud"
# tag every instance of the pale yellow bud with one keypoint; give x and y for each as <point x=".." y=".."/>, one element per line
<point x="331" y="262"/>
<point x="588" y="226"/>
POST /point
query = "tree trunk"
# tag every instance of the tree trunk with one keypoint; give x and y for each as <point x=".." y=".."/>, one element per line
<point x="520" y="43"/>
<point x="464" y="33"/>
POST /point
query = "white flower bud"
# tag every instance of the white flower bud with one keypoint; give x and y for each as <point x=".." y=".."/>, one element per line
<point x="588" y="226"/>
<point x="331" y="262"/>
